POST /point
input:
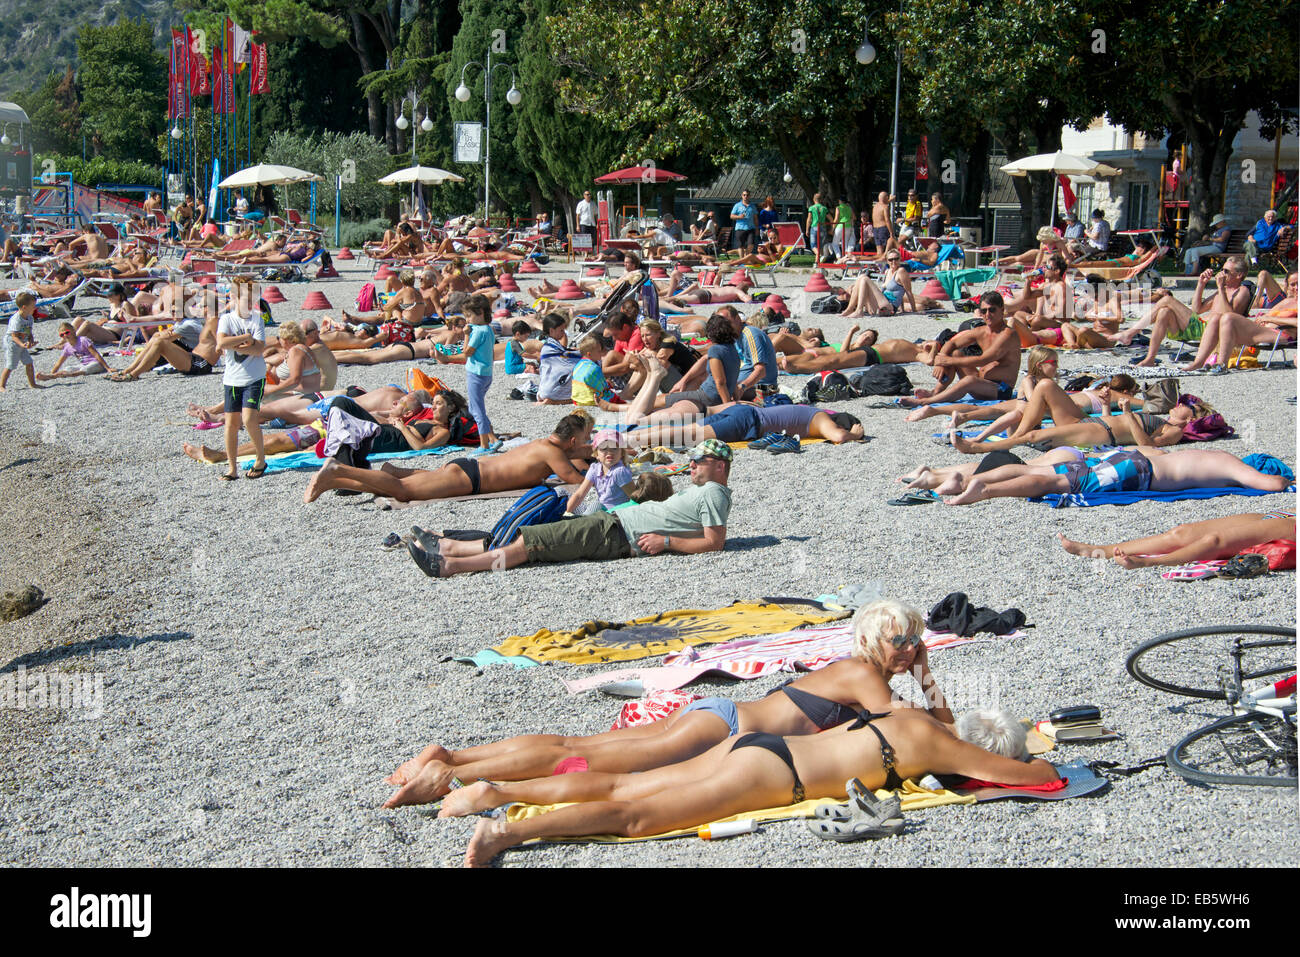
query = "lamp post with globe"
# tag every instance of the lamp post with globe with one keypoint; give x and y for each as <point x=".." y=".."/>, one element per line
<point x="513" y="97"/>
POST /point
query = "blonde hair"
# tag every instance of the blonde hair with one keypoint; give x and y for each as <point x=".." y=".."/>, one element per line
<point x="1046" y="234"/>
<point x="66" y="327"/>
<point x="653" y="328"/>
<point x="590" y="342"/>
<point x="1037" y="356"/>
<point x="292" y="332"/>
<point x="879" y="621"/>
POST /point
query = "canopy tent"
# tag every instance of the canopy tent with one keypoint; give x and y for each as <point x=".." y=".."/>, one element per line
<point x="267" y="175"/>
<point x="1062" y="164"/>
<point x="13" y="113"/>
<point x="639" y="175"/>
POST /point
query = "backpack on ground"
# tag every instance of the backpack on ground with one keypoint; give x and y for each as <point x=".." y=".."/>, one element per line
<point x="538" y="506"/>
<point x="887" y="379"/>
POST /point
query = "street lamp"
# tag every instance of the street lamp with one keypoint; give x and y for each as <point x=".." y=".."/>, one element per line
<point x="4" y="137"/>
<point x="176" y="132"/>
<point x="866" y="54"/>
<point x="513" y="97"/>
<point x="402" y="123"/>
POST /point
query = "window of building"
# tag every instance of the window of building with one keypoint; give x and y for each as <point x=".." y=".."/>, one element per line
<point x="1136" y="211"/>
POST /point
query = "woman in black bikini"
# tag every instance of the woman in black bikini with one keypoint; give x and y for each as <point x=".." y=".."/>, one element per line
<point x="886" y="643"/>
<point x="737" y="776"/>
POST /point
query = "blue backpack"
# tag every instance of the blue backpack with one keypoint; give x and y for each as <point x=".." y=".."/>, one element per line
<point x="538" y="506"/>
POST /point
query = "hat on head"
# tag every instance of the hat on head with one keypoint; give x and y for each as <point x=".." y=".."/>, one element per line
<point x="1071" y="217"/>
<point x="1220" y="218"/>
<point x="608" y="437"/>
<point x="711" y="447"/>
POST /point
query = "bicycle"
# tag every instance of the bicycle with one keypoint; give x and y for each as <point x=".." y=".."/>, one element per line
<point x="1256" y="743"/>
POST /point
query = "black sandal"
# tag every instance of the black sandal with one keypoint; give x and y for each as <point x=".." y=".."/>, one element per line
<point x="227" y="477"/>
<point x="257" y="472"/>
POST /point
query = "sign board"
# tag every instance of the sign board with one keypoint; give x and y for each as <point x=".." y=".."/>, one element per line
<point x="175" y="189"/>
<point x="16" y="171"/>
<point x="469" y="143"/>
<point x="581" y="241"/>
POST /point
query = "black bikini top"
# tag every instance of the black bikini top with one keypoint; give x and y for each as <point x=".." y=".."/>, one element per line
<point x="820" y="711"/>
<point x="887" y="756"/>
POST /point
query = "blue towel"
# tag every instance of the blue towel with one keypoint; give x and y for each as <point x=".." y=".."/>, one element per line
<point x="1128" y="498"/>
<point x="489" y="657"/>
<point x="307" y="460"/>
<point x="1269" y="465"/>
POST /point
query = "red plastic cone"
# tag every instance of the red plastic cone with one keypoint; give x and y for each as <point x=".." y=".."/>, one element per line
<point x="739" y="278"/>
<point x="817" y="283"/>
<point x="344" y="253"/>
<point x="272" y="294"/>
<point x="776" y="303"/>
<point x="507" y="283"/>
<point x="568" y="290"/>
<point x="934" y="290"/>
<point x="529" y="266"/>
<point x="316" y="300"/>
<point x="658" y="272"/>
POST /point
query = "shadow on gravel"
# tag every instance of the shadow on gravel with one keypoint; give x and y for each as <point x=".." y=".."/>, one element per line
<point x="79" y="648"/>
<point x="16" y="462"/>
<point x="749" y="543"/>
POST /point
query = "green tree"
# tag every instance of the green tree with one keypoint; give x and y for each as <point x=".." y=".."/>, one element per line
<point x="1195" y="71"/>
<point x="123" y="88"/>
<point x="730" y="78"/>
<point x="1035" y="76"/>
<point x="359" y="158"/>
<point x="54" y="109"/>
<point x="566" y="149"/>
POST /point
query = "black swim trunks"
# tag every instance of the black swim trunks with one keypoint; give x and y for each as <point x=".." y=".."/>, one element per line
<point x="470" y="468"/>
<point x="198" y="366"/>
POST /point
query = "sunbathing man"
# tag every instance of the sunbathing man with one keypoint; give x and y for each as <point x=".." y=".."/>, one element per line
<point x="63" y="282"/>
<point x="691" y="522"/>
<point x="696" y="295"/>
<point x="95" y="246"/>
<point x="866" y="350"/>
<point x="743" y="422"/>
<point x="273" y="246"/>
<point x="1169" y="317"/>
<point x="990" y="375"/>
<point x="753" y="772"/>
<point x="1118" y="470"/>
<point x="518" y="468"/>
<point x="1215" y="538"/>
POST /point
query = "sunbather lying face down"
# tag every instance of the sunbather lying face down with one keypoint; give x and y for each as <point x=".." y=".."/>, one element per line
<point x="751" y="773"/>
<point x="886" y="643"/>
<point x="1193" y="542"/>
<point x="1129" y="470"/>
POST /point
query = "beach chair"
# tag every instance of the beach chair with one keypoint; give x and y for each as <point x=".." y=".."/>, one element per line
<point x="770" y="269"/>
<point x="55" y="307"/>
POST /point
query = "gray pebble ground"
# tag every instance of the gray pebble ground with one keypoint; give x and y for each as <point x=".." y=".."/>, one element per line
<point x="265" y="664"/>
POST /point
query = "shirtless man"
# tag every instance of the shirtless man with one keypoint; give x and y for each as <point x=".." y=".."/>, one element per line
<point x="1169" y="317"/>
<point x="519" y="468"/>
<point x="63" y="282"/>
<point x="867" y="350"/>
<point x="881" y="226"/>
<point x="1057" y="302"/>
<point x="95" y="245"/>
<point x="990" y="375"/>
<point x="1214" y="538"/>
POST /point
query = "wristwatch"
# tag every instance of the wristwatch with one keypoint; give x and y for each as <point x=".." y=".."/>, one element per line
<point x="666" y="543"/>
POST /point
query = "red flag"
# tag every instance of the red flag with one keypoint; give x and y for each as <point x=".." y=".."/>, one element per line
<point x="923" y="159"/>
<point x="259" y="79"/>
<point x="1067" y="193"/>
<point x="177" y="104"/>
<point x="223" y="84"/>
<point x="199" y="85"/>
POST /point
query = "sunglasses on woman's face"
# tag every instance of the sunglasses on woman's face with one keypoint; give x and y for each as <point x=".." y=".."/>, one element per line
<point x="902" y="642"/>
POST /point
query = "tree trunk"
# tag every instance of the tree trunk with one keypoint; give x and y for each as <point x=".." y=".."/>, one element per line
<point x="1208" y="152"/>
<point x="977" y="172"/>
<point x="861" y="153"/>
<point x="795" y="165"/>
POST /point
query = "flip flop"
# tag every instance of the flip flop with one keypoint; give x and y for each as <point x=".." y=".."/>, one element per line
<point x="256" y="472"/>
<point x="1195" y="571"/>
<point x="916" y="496"/>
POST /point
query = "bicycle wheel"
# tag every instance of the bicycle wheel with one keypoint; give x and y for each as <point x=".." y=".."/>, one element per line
<point x="1251" y="748"/>
<point x="1198" y="662"/>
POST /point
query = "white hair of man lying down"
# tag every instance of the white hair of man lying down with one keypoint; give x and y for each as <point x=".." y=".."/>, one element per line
<point x="995" y="731"/>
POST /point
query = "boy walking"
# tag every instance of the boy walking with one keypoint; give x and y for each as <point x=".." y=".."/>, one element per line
<point x="18" y="339"/>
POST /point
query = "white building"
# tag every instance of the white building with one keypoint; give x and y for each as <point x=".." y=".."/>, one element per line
<point x="1130" y="200"/>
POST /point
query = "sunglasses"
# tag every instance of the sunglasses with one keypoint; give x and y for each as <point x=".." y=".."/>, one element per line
<point x="902" y="642"/>
<point x="705" y="458"/>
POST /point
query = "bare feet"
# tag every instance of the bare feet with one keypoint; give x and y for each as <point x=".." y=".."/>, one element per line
<point x="952" y="485"/>
<point x="974" y="493"/>
<point x="963" y="444"/>
<point x="317" y="486"/>
<point x="923" y="412"/>
<point x="1146" y="362"/>
<point x="201" y="453"/>
<point x="911" y="479"/>
<point x="409" y="769"/>
<point x="1125" y="561"/>
<point x="491" y="837"/>
<point x="430" y="783"/>
<point x="1080" y="549"/>
<point x="479" y="796"/>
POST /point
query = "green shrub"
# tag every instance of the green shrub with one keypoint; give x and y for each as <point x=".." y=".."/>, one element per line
<point x="358" y="234"/>
<point x="360" y="158"/>
<point x="101" y="169"/>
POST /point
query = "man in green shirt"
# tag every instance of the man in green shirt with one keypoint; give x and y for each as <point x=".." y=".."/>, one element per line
<point x="815" y="226"/>
<point x="692" y="521"/>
